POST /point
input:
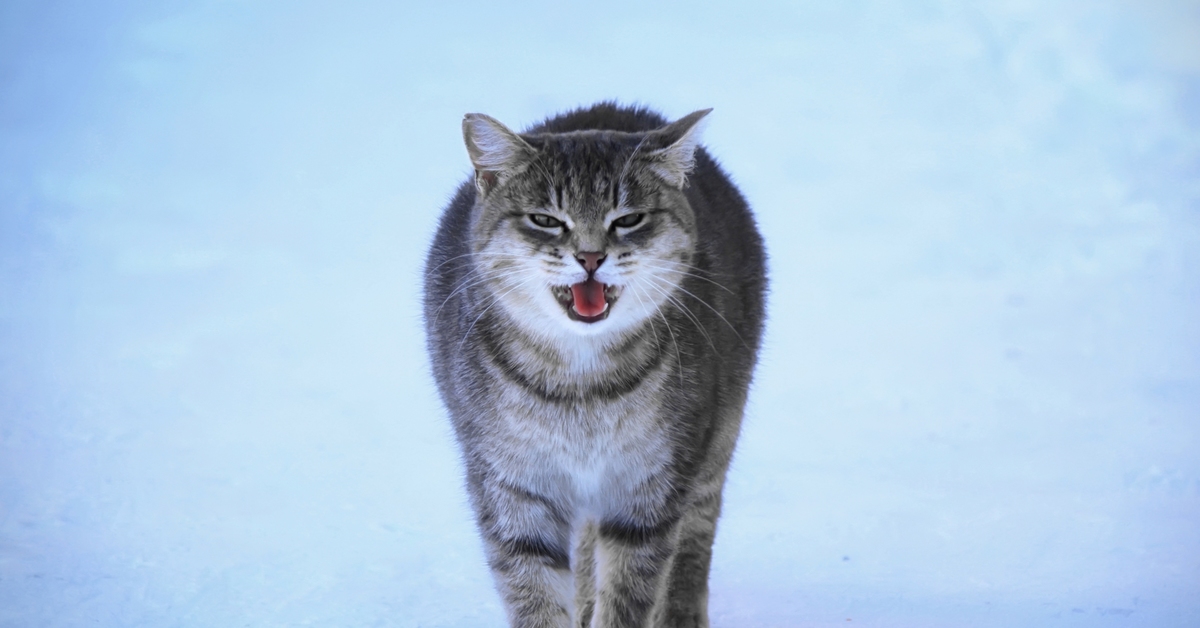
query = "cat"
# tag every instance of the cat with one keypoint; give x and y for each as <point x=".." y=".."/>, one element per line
<point x="594" y="306"/>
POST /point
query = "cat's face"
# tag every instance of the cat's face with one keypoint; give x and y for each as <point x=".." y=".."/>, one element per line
<point x="584" y="233"/>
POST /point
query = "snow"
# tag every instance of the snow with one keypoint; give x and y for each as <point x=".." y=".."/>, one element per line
<point x="979" y="400"/>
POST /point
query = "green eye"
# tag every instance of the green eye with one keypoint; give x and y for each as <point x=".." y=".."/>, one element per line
<point x="628" y="220"/>
<point x="545" y="221"/>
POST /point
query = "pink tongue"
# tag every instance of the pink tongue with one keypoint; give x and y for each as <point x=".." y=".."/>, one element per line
<point x="589" y="298"/>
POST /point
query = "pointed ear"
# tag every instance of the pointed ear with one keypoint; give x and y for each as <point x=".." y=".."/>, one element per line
<point x="678" y="140"/>
<point x="495" y="151"/>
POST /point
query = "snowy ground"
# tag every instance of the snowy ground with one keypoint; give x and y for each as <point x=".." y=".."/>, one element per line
<point x="979" y="402"/>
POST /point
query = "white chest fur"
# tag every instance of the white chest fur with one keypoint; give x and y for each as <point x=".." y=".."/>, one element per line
<point x="592" y="457"/>
<point x="593" y="454"/>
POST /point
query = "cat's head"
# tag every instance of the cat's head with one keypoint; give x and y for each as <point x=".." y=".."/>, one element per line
<point x="584" y="233"/>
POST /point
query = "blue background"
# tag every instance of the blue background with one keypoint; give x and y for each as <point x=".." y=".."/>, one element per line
<point x="979" y="399"/>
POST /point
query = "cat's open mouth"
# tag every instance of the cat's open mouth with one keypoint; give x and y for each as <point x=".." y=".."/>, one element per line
<point x="587" y="301"/>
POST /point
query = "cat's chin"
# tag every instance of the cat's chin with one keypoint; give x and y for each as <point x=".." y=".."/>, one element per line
<point x="566" y="297"/>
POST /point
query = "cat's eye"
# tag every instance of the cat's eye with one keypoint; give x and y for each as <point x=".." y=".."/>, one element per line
<point x="629" y="220"/>
<point x="545" y="221"/>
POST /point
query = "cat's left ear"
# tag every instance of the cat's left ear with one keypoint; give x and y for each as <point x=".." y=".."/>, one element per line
<point x="495" y="151"/>
<point x="677" y="156"/>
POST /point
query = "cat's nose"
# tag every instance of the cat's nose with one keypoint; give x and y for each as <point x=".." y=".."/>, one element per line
<point x="590" y="261"/>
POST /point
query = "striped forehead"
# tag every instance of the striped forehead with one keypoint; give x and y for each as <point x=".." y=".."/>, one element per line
<point x="584" y="168"/>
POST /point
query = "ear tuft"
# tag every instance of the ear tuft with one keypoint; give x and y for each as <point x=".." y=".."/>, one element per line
<point x="679" y="139"/>
<point x="495" y="151"/>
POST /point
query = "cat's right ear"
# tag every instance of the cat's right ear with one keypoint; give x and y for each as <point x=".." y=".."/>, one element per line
<point x="496" y="152"/>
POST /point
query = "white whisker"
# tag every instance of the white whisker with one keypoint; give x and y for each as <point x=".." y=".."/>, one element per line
<point x="667" y="324"/>
<point x="683" y="272"/>
<point x="715" y="311"/>
<point x="495" y="299"/>
<point x="687" y="312"/>
<point x="476" y="278"/>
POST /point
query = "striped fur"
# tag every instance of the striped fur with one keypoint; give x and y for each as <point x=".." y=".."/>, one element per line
<point x="596" y="452"/>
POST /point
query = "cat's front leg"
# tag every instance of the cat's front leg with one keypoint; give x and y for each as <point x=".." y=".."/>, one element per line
<point x="526" y="538"/>
<point x="632" y="561"/>
<point x="685" y="603"/>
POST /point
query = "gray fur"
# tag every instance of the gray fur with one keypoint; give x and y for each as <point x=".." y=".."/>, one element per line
<point x="596" y="452"/>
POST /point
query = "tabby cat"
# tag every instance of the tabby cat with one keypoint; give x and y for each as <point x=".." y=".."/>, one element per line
<point x="594" y="305"/>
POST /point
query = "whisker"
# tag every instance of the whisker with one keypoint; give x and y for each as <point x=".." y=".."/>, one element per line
<point x="686" y="265"/>
<point x="495" y="299"/>
<point x="474" y="279"/>
<point x="476" y="275"/>
<point x="667" y="324"/>
<point x="718" y="313"/>
<point x="481" y="255"/>
<point x="653" y="329"/>
<point x="687" y="312"/>
<point x="684" y="272"/>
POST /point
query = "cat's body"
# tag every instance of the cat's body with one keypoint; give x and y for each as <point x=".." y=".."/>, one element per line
<point x="594" y="303"/>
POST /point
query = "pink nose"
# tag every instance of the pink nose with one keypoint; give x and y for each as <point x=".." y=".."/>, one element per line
<point x="590" y="261"/>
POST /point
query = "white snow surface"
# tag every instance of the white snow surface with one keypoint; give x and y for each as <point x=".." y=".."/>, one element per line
<point x="978" y="403"/>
